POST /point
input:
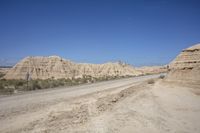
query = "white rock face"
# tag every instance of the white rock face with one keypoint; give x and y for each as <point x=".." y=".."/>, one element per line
<point x="186" y="67"/>
<point x="57" y="67"/>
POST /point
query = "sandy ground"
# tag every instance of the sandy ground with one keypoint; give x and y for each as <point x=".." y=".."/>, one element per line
<point x="120" y="106"/>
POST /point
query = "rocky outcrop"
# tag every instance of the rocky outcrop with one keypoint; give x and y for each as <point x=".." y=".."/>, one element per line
<point x="185" y="68"/>
<point x="57" y="67"/>
<point x="187" y="59"/>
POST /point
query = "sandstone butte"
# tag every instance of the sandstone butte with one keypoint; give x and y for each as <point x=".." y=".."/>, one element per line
<point x="185" y="68"/>
<point x="57" y="67"/>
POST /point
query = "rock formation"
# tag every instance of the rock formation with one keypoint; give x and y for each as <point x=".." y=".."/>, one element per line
<point x="57" y="67"/>
<point x="185" y="69"/>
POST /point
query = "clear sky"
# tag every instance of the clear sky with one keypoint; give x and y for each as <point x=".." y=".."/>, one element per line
<point x="139" y="32"/>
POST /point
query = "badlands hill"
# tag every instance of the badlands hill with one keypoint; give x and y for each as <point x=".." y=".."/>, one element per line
<point x="4" y="70"/>
<point x="57" y="67"/>
<point x="185" y="68"/>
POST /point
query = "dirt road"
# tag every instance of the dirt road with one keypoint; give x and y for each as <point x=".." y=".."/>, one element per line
<point x="125" y="105"/>
<point x="48" y="96"/>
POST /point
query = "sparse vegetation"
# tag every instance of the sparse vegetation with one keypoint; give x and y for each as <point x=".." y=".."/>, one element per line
<point x="151" y="81"/>
<point x="11" y="86"/>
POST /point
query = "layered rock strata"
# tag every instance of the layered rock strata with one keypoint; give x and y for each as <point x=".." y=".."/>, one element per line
<point x="57" y="67"/>
<point x="185" y="68"/>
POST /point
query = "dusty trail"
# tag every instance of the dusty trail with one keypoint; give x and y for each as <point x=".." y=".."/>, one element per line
<point x="48" y="96"/>
<point x="155" y="109"/>
<point x="127" y="105"/>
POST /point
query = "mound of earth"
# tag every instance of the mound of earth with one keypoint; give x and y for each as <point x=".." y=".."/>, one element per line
<point x="185" y="68"/>
<point x="57" y="67"/>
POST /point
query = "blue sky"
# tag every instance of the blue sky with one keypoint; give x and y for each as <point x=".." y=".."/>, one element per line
<point x="139" y="32"/>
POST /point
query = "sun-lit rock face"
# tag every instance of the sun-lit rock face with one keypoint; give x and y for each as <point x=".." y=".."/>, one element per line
<point x="185" y="68"/>
<point x="41" y="67"/>
<point x="188" y="58"/>
<point x="57" y="67"/>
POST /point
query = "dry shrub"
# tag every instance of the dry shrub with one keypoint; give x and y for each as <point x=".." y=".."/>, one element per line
<point x="151" y="81"/>
<point x="162" y="76"/>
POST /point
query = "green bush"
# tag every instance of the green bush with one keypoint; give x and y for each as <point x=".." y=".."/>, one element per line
<point x="34" y="85"/>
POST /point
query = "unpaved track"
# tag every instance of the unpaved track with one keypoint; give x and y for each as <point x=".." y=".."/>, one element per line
<point x="156" y="108"/>
<point x="17" y="110"/>
<point x="49" y="95"/>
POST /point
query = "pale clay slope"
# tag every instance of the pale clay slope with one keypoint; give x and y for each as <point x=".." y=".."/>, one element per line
<point x="56" y="67"/>
<point x="4" y="70"/>
<point x="185" y="68"/>
<point x="188" y="58"/>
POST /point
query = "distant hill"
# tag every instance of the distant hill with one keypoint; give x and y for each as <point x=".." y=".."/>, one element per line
<point x="6" y="66"/>
<point x="56" y="67"/>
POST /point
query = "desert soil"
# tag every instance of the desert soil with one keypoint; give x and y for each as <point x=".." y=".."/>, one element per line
<point x="118" y="106"/>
